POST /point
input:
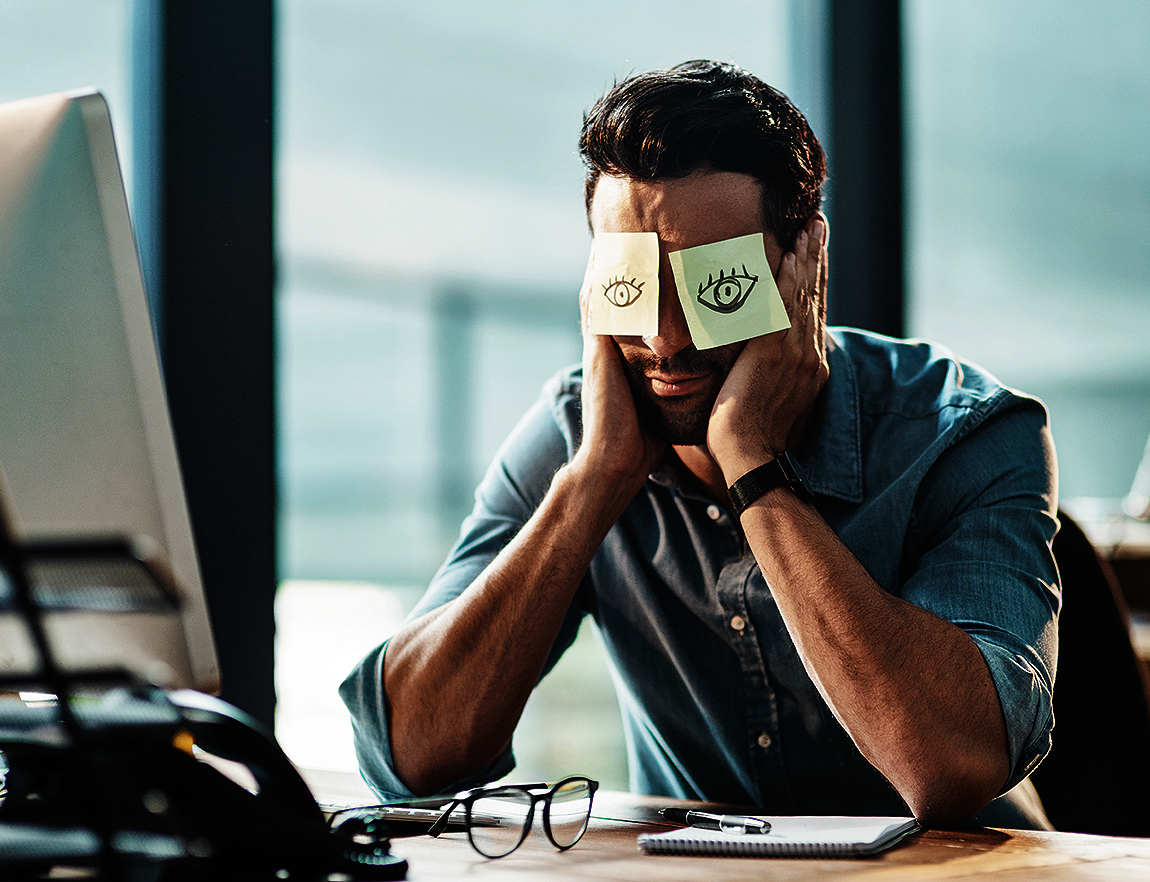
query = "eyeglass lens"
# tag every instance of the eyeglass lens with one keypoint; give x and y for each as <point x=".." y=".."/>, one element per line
<point x="569" y="809"/>
<point x="501" y="818"/>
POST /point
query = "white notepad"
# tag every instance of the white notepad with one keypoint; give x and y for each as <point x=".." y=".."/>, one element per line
<point x="796" y="836"/>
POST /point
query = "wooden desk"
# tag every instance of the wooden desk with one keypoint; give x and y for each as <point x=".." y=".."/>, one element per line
<point x="608" y="853"/>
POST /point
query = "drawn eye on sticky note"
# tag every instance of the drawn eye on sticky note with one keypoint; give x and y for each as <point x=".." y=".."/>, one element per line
<point x="728" y="291"/>
<point x="623" y="280"/>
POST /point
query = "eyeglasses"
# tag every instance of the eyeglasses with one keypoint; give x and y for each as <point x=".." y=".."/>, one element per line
<point x="498" y="817"/>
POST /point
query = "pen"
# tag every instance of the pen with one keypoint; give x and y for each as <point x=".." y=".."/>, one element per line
<point x="736" y="824"/>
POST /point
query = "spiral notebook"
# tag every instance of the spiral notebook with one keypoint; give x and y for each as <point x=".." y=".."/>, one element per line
<point x="797" y="836"/>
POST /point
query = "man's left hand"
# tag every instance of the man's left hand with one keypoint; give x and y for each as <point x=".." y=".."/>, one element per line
<point x="763" y="405"/>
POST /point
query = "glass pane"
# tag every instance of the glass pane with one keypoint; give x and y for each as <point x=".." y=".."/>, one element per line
<point x="432" y="241"/>
<point x="61" y="45"/>
<point x="1030" y="212"/>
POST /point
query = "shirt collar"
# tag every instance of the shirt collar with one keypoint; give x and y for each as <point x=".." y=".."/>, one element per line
<point x="832" y="458"/>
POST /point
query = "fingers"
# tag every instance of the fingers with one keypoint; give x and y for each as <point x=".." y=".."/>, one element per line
<point x="585" y="294"/>
<point x="599" y="353"/>
<point x="812" y="247"/>
<point x="808" y="315"/>
<point x="802" y="284"/>
<point x="820" y="231"/>
<point x="614" y="443"/>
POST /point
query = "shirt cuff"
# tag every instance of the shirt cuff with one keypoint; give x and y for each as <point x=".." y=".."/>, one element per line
<point x="1027" y="707"/>
<point x="362" y="692"/>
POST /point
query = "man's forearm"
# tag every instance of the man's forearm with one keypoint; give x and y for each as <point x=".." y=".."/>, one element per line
<point x="457" y="678"/>
<point x="912" y="690"/>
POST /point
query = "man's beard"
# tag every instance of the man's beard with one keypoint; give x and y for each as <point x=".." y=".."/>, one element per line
<point x="677" y="421"/>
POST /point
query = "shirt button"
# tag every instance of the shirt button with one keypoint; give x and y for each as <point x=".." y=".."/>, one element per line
<point x="764" y="741"/>
<point x="738" y="623"/>
<point x="714" y="512"/>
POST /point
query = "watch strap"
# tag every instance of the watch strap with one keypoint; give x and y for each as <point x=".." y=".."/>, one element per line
<point x="782" y="471"/>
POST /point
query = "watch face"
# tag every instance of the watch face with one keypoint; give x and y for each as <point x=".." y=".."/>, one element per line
<point x="790" y="467"/>
<point x="796" y="480"/>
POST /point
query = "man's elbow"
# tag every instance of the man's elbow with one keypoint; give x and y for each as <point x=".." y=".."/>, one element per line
<point x="431" y="750"/>
<point x="952" y="793"/>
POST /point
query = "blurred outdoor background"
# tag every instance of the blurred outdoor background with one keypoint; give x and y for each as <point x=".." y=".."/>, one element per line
<point x="432" y="239"/>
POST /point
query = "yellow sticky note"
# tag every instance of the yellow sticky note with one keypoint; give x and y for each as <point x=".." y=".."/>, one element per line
<point x="623" y="280"/>
<point x="728" y="292"/>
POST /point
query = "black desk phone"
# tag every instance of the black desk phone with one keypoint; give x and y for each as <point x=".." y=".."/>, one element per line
<point x="134" y="801"/>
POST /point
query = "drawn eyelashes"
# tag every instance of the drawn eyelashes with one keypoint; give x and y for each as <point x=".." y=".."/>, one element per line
<point x="623" y="292"/>
<point x="727" y="293"/>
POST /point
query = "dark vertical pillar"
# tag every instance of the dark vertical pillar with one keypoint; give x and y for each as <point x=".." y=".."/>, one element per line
<point x="203" y="117"/>
<point x="866" y="166"/>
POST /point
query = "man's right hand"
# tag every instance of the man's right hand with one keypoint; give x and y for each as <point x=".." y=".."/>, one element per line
<point x="616" y="449"/>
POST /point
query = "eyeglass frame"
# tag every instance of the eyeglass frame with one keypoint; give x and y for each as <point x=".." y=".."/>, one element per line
<point x="467" y="798"/>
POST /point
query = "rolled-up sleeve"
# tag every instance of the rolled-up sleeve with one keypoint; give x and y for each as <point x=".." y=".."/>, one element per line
<point x="987" y="566"/>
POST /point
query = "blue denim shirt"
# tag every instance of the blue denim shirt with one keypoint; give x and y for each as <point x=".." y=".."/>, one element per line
<point x="939" y="480"/>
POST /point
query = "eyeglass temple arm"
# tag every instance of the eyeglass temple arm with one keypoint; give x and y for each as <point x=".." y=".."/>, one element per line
<point x="440" y="825"/>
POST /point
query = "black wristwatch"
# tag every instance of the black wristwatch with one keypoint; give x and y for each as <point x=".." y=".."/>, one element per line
<point x="779" y="472"/>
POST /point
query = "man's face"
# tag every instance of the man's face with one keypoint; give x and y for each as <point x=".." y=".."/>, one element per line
<point x="675" y="385"/>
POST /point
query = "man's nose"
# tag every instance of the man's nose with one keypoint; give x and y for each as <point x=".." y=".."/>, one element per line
<point x="674" y="335"/>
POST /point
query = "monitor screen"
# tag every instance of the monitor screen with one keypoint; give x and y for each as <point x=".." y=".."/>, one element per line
<point x="86" y="445"/>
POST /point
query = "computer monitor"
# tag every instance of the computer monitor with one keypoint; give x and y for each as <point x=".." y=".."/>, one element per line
<point x="86" y="445"/>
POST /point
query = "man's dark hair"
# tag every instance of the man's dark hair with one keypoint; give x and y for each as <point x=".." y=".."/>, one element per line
<point x="708" y="114"/>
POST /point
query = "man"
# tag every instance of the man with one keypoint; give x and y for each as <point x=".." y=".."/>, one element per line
<point x="875" y="637"/>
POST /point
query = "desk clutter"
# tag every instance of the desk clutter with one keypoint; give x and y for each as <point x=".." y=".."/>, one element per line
<point x="497" y="818"/>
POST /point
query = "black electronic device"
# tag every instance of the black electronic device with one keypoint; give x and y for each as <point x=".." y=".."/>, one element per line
<point x="118" y="776"/>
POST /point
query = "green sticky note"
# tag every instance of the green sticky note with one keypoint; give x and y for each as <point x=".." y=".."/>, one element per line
<point x="623" y="278"/>
<point x="728" y="292"/>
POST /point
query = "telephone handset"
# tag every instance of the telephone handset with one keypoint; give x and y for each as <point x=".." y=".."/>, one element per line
<point x="225" y="731"/>
<point x="141" y="793"/>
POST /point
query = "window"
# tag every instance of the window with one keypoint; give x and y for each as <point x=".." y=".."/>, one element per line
<point x="61" y="45"/>
<point x="1029" y="207"/>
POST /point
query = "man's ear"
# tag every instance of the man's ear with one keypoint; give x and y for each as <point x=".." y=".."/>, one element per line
<point x="826" y="225"/>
